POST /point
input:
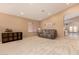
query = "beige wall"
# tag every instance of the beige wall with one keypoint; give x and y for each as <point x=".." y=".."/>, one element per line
<point x="21" y="24"/>
<point x="58" y="20"/>
<point x="72" y="10"/>
<point x="15" y="23"/>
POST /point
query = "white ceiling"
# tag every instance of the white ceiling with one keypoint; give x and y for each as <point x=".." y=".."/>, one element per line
<point x="71" y="17"/>
<point x="35" y="11"/>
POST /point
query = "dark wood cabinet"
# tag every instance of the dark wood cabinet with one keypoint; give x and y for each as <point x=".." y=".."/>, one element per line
<point x="11" y="36"/>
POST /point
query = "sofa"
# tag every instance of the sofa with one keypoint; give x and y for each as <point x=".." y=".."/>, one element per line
<point x="47" y="33"/>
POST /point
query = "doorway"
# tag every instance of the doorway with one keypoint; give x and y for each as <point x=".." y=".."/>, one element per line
<point x="71" y="27"/>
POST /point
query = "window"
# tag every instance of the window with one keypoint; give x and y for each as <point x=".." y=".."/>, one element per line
<point x="32" y="27"/>
<point x="75" y="29"/>
<point x="70" y="29"/>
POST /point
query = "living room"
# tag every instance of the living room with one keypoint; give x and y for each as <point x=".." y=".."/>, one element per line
<point x="41" y="25"/>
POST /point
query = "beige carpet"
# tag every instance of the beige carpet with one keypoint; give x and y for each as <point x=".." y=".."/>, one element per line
<point x="36" y="45"/>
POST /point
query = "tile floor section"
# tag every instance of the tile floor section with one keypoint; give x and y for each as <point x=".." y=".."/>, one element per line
<point x="41" y="46"/>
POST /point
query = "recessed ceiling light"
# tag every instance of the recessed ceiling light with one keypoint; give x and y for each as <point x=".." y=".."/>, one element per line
<point x="42" y="10"/>
<point x="49" y="13"/>
<point x="21" y="13"/>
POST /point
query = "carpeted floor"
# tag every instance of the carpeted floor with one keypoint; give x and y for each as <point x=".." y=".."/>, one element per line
<point x="41" y="46"/>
